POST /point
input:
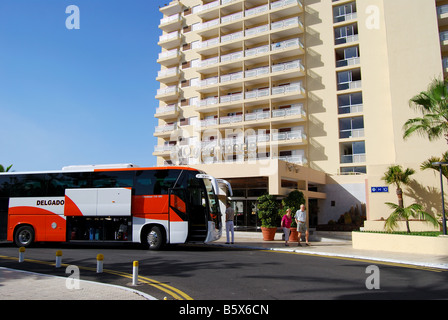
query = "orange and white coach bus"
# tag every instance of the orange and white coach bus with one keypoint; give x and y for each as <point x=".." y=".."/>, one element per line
<point x="153" y="206"/>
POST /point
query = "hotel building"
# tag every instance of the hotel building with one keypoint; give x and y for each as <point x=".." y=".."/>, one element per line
<point x="277" y="95"/>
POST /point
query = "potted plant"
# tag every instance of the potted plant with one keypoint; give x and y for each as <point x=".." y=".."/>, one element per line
<point x="292" y="201"/>
<point x="268" y="214"/>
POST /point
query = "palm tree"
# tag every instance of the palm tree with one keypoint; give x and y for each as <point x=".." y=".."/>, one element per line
<point x="400" y="213"/>
<point x="433" y="105"/>
<point x="2" y="168"/>
<point x="428" y="164"/>
<point x="395" y="175"/>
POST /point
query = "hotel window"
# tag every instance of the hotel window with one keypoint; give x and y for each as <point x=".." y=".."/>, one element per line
<point x="344" y="12"/>
<point x="350" y="103"/>
<point x="347" y="56"/>
<point x="350" y="79"/>
<point x="346" y="34"/>
<point x="351" y="127"/>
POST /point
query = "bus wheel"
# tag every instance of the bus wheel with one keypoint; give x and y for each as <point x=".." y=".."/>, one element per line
<point x="24" y="236"/>
<point x="154" y="238"/>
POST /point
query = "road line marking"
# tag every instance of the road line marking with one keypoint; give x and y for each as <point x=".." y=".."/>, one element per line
<point x="174" y="292"/>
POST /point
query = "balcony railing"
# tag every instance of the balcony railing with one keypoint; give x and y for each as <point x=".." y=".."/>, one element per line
<point x="351" y="133"/>
<point x="165" y="128"/>
<point x="291" y="135"/>
<point x="175" y="17"/>
<point x="250" y="52"/>
<point x="169" y="54"/>
<point x="169" y="36"/>
<point x="353" y="158"/>
<point x="348" y="62"/>
<point x="251" y="32"/>
<point x="168" y="72"/>
<point x="350" y="85"/>
<point x="293" y="110"/>
<point x="248" y="12"/>
<point x="351" y="108"/>
<point x="168" y="90"/>
<point x="167" y="109"/>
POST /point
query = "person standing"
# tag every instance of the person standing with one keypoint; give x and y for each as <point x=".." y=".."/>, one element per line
<point x="230" y="215"/>
<point x="286" y="225"/>
<point x="301" y="224"/>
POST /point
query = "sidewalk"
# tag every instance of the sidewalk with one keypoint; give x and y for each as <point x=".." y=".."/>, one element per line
<point x="24" y="285"/>
<point x="337" y="244"/>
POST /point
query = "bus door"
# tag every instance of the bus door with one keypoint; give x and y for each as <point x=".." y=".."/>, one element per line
<point x="191" y="206"/>
<point x="177" y="215"/>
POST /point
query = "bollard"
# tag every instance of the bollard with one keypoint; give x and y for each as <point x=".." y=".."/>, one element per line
<point x="99" y="263"/>
<point x="21" y="254"/>
<point x="135" y="273"/>
<point x="58" y="258"/>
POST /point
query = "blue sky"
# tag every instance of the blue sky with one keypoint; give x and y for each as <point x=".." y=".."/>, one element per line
<point x="82" y="96"/>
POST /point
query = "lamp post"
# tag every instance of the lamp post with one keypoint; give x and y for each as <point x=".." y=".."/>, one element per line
<point x="440" y="164"/>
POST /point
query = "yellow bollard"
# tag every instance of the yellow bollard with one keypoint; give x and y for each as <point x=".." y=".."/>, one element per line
<point x="58" y="258"/>
<point x="135" y="273"/>
<point x="21" y="254"/>
<point x="99" y="263"/>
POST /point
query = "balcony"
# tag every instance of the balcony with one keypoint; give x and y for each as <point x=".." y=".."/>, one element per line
<point x="294" y="113"/>
<point x="230" y="119"/>
<point x="279" y="8"/>
<point x="165" y="130"/>
<point x="295" y="137"/>
<point x="168" y="93"/>
<point x="281" y="50"/>
<point x="163" y="150"/>
<point x="297" y="159"/>
<point x="172" y="8"/>
<point x="170" y="40"/>
<point x="257" y="116"/>
<point x="168" y="75"/>
<point x="171" y="23"/>
<point x="169" y="58"/>
<point x="168" y="112"/>
<point x="288" y="92"/>
<point x="282" y="28"/>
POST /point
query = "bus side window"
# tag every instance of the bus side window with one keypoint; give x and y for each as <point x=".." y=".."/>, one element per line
<point x="33" y="185"/>
<point x="58" y="182"/>
<point x="5" y="186"/>
<point x="155" y="182"/>
<point x="113" y="179"/>
<point x="144" y="182"/>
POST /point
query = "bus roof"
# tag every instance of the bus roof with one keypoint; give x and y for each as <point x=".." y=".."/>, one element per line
<point x="98" y="168"/>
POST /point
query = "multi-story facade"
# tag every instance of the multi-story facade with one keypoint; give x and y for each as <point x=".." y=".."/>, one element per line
<point x="275" y="95"/>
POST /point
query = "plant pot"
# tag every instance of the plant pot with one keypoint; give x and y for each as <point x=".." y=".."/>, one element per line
<point x="268" y="233"/>
<point x="293" y="234"/>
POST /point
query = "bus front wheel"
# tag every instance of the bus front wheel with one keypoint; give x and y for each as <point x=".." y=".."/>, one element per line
<point x="154" y="238"/>
<point x="24" y="236"/>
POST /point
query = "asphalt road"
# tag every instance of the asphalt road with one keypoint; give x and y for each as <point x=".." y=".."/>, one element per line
<point x="207" y="272"/>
